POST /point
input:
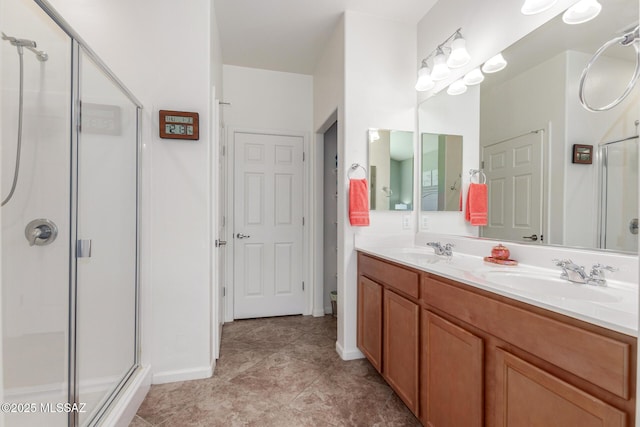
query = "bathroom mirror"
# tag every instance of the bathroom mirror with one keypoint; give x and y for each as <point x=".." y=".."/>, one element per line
<point x="530" y="116"/>
<point x="391" y="157"/>
<point x="441" y="172"/>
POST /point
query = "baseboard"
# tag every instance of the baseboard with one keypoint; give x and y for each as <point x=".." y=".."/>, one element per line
<point x="182" y="375"/>
<point x="125" y="409"/>
<point x="351" y="354"/>
<point x="320" y="313"/>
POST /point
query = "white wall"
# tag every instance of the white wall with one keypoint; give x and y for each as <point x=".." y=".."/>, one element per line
<point x="267" y="100"/>
<point x="379" y="93"/>
<point x="176" y="288"/>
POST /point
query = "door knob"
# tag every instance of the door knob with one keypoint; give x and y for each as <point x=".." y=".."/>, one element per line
<point x="242" y="236"/>
<point x="533" y="237"/>
<point x="221" y="243"/>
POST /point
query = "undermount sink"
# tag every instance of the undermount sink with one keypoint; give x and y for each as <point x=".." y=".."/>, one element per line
<point x="416" y="254"/>
<point x="535" y="283"/>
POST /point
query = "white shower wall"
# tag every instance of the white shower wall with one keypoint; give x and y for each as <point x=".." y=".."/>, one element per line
<point x="35" y="278"/>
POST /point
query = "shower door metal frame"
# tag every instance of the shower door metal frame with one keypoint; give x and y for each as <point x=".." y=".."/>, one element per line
<point x="78" y="45"/>
<point x="603" y="153"/>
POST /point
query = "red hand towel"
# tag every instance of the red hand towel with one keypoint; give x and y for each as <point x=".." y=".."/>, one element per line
<point x="358" y="202"/>
<point x="476" y="212"/>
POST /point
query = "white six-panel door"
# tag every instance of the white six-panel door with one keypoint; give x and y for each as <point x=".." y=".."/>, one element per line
<point x="268" y="230"/>
<point x="514" y="177"/>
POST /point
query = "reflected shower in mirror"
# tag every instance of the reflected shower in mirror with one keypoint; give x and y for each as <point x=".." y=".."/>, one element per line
<point x="391" y="157"/>
<point x="441" y="172"/>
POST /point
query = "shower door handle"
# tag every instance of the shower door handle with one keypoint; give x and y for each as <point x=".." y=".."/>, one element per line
<point x="83" y="249"/>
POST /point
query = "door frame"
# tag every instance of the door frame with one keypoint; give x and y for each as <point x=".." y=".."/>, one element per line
<point x="306" y="231"/>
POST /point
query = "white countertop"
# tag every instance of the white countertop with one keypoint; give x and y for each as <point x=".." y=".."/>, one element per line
<point x="613" y="307"/>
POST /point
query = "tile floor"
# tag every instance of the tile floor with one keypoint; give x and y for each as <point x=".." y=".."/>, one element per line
<point x="280" y="371"/>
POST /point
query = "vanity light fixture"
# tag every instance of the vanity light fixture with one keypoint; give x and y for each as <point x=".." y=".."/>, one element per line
<point x="425" y="82"/>
<point x="495" y="64"/>
<point x="459" y="57"/>
<point x="451" y="53"/>
<point x="440" y="69"/>
<point x="457" y="88"/>
<point x="581" y="12"/>
<point x="473" y="77"/>
<point x="531" y="7"/>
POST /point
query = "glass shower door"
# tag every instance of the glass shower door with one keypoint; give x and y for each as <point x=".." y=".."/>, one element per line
<point x="106" y="275"/>
<point x="34" y="273"/>
<point x="619" y="196"/>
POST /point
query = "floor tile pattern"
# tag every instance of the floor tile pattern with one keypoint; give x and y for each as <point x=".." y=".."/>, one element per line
<point x="280" y="372"/>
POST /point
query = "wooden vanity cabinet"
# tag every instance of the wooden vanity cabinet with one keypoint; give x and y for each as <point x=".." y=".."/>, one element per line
<point x="369" y="334"/>
<point x="461" y="356"/>
<point x="451" y="374"/>
<point x="388" y="324"/>
<point x="400" y="338"/>
<point x="529" y="396"/>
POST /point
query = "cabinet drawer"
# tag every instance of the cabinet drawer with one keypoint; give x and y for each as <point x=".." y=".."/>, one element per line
<point x="401" y="279"/>
<point x="599" y="359"/>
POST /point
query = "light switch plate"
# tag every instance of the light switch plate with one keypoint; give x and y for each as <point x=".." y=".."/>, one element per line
<point x="406" y="222"/>
<point x="424" y="224"/>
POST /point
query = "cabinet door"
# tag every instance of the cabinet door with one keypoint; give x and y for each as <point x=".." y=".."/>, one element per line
<point x="452" y="374"/>
<point x="400" y="369"/>
<point x="370" y="320"/>
<point x="528" y="396"/>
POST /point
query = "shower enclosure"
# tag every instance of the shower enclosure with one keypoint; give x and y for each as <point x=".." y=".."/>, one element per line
<point x="69" y="224"/>
<point x="619" y="195"/>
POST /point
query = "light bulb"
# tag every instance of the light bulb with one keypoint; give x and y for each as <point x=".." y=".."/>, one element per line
<point x="457" y="88"/>
<point x="583" y="11"/>
<point x="495" y="64"/>
<point x="440" y="69"/>
<point x="473" y="77"/>
<point x="531" y="7"/>
<point x="425" y="82"/>
<point x="459" y="57"/>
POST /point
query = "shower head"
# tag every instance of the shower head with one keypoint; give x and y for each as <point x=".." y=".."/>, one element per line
<point x="29" y="44"/>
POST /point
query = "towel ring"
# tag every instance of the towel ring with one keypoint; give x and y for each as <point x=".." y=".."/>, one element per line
<point x="354" y="167"/>
<point x="630" y="38"/>
<point x="482" y="178"/>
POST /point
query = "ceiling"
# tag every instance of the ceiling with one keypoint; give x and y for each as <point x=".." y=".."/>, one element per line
<point x="290" y="35"/>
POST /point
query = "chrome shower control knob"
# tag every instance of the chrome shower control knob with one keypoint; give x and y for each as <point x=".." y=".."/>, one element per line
<point x="41" y="232"/>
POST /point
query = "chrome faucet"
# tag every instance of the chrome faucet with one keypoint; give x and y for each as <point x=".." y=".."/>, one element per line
<point x="439" y="249"/>
<point x="575" y="273"/>
<point x="597" y="274"/>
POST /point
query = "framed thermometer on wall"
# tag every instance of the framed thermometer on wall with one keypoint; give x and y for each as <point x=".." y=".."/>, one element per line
<point x="179" y="125"/>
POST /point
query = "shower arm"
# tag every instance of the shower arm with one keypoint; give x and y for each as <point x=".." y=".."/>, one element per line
<point x="29" y="44"/>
